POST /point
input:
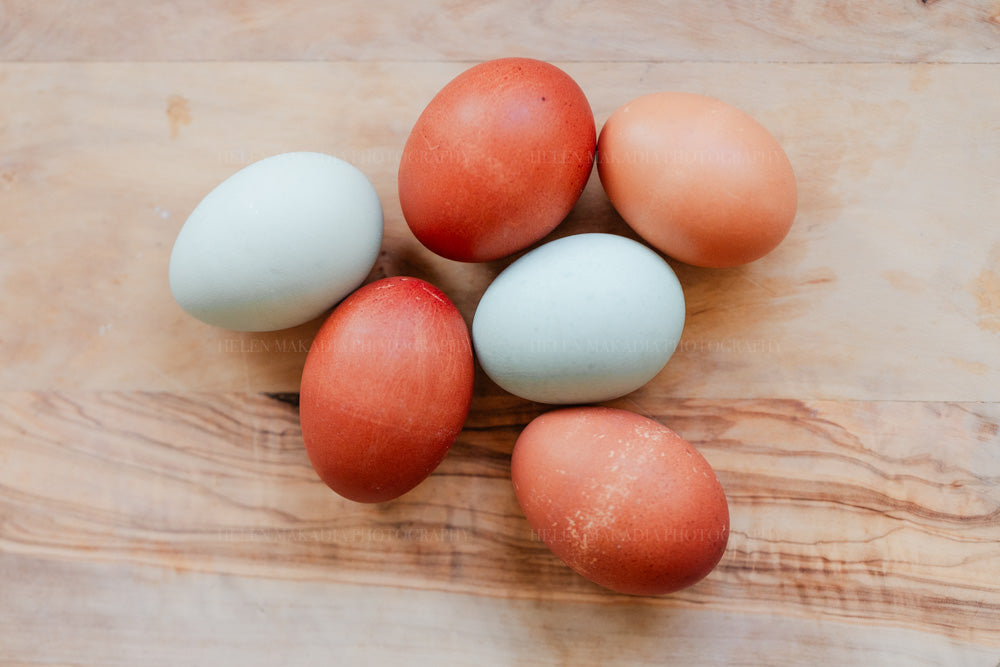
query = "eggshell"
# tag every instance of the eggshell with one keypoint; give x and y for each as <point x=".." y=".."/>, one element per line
<point x="385" y="389"/>
<point x="698" y="179"/>
<point x="497" y="159"/>
<point x="621" y="499"/>
<point x="581" y="319"/>
<point x="277" y="243"/>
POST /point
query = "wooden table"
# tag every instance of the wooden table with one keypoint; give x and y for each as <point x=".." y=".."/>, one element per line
<point x="156" y="502"/>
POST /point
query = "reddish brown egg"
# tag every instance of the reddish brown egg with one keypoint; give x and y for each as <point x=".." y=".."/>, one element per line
<point x="621" y="499"/>
<point x="385" y="389"/>
<point x="497" y="159"/>
<point x="697" y="178"/>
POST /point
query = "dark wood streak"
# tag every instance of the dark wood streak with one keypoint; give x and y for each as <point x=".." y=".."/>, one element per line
<point x="288" y="398"/>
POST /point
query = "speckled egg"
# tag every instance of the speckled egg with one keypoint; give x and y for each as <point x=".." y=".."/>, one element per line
<point x="621" y="499"/>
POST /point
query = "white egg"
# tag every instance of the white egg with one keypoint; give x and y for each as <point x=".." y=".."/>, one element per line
<point x="581" y="319"/>
<point x="277" y="243"/>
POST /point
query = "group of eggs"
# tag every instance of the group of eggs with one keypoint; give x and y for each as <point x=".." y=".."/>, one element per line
<point x="494" y="163"/>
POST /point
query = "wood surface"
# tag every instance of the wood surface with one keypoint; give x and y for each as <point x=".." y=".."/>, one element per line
<point x="962" y="31"/>
<point x="156" y="503"/>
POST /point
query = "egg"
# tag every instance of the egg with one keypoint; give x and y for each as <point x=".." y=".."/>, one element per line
<point x="385" y="389"/>
<point x="621" y="499"/>
<point x="277" y="244"/>
<point x="698" y="179"/>
<point x="496" y="160"/>
<point x="580" y="319"/>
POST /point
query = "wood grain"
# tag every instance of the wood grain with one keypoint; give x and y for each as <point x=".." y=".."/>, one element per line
<point x="876" y="514"/>
<point x="156" y="503"/>
<point x="107" y="612"/>
<point x="563" y="30"/>
<point x="886" y="288"/>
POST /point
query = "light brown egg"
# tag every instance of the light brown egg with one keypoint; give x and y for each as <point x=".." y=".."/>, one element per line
<point x="698" y="179"/>
<point x="621" y="499"/>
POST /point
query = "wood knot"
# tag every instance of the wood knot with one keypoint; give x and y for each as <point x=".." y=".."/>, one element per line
<point x="178" y="113"/>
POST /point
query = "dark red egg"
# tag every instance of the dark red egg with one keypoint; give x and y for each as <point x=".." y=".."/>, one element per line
<point x="385" y="389"/>
<point x="497" y="159"/>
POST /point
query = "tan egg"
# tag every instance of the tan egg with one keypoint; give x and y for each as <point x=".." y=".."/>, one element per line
<point x="698" y="179"/>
